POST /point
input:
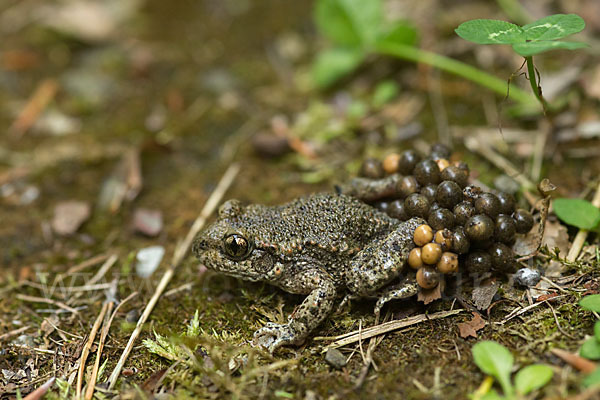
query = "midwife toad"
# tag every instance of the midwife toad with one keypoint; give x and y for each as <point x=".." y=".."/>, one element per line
<point x="319" y="245"/>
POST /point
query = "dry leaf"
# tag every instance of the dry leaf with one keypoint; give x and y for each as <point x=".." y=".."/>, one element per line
<point x="484" y="293"/>
<point x="471" y="327"/>
<point x="430" y="295"/>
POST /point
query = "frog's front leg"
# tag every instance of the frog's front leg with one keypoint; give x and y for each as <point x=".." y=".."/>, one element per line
<point x="314" y="309"/>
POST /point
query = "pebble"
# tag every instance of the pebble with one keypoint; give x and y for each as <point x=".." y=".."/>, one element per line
<point x="148" y="222"/>
<point x="148" y="259"/>
<point x="335" y="358"/>
<point x="69" y="216"/>
<point x="527" y="277"/>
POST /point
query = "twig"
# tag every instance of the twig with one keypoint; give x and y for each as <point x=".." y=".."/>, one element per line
<point x="580" y="363"/>
<point x="582" y="234"/>
<point x="386" y="327"/>
<point x="479" y="146"/>
<point x="41" y="391"/>
<point x="180" y="252"/>
<point x="545" y="188"/>
<point x="13" y="332"/>
<point x="38" y="101"/>
<point x="87" y="263"/>
<point x="89" y="392"/>
<point x="87" y="347"/>
<point x="518" y="311"/>
<point x="34" y="299"/>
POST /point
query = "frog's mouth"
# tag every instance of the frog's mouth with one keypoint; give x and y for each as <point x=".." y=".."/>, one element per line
<point x="217" y="261"/>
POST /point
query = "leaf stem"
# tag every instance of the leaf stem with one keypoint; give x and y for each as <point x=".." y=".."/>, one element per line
<point x="455" y="67"/>
<point x="534" y="83"/>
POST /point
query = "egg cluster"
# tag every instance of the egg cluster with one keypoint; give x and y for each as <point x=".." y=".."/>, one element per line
<point x="466" y="226"/>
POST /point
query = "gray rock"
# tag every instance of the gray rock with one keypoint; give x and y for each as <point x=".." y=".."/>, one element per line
<point x="335" y="358"/>
<point x="527" y="277"/>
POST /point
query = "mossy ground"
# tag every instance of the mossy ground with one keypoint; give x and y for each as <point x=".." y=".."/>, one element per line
<point x="223" y="63"/>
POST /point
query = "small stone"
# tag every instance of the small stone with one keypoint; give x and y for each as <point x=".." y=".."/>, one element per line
<point x="335" y="358"/>
<point x="148" y="222"/>
<point x="527" y="277"/>
<point x="69" y="216"/>
<point x="148" y="259"/>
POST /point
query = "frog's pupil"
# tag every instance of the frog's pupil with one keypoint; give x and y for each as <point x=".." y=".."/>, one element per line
<point x="237" y="245"/>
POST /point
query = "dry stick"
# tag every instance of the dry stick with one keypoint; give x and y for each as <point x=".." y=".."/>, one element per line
<point x="87" y="347"/>
<point x="41" y="391"/>
<point x="482" y="148"/>
<point x="87" y="263"/>
<point x="13" y="332"/>
<point x="352" y="337"/>
<point x="582" y="234"/>
<point x="89" y="392"/>
<point x="38" y="101"/>
<point x="34" y="299"/>
<point x="180" y="251"/>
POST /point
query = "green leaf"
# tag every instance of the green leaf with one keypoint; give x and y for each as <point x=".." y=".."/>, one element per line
<point x="597" y="330"/>
<point x="592" y="379"/>
<point x="532" y="378"/>
<point x="532" y="48"/>
<point x="591" y="302"/>
<point x="349" y="22"/>
<point x="334" y="64"/>
<point x="490" y="31"/>
<point x="495" y="360"/>
<point x="492" y="395"/>
<point x="385" y="92"/>
<point x="553" y="27"/>
<point x="577" y="212"/>
<point x="590" y="349"/>
<point x="401" y="32"/>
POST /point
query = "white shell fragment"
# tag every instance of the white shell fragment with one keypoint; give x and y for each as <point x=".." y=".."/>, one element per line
<point x="148" y="259"/>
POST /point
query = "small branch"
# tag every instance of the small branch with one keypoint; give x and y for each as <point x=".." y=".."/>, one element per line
<point x="87" y="347"/>
<point x="41" y="391"/>
<point x="582" y="234"/>
<point x="180" y="252"/>
<point x="34" y="299"/>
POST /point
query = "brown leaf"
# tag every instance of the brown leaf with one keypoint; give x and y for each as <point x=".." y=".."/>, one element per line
<point x="484" y="293"/>
<point x="430" y="295"/>
<point x="471" y="327"/>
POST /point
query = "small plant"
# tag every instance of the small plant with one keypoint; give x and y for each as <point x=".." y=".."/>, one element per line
<point x="496" y="361"/>
<point x="357" y="29"/>
<point x="534" y="38"/>
<point x="591" y="347"/>
<point x="578" y="212"/>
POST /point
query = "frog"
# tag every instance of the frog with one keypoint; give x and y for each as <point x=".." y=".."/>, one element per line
<point x="322" y="245"/>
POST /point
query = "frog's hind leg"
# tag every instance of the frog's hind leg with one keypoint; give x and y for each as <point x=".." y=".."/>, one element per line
<point x="378" y="264"/>
<point x="408" y="288"/>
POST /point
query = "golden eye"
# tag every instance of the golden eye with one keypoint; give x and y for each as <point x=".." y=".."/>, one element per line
<point x="236" y="246"/>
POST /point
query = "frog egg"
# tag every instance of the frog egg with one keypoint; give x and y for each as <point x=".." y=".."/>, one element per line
<point x="439" y="150"/>
<point x="382" y="206"/>
<point x="523" y="220"/>
<point x="462" y="166"/>
<point x="428" y="277"/>
<point x="462" y="212"/>
<point x="507" y="203"/>
<point x="471" y="193"/>
<point x="478" y="261"/>
<point x="431" y="253"/>
<point x="448" y="194"/>
<point x="429" y="192"/>
<point x="441" y="218"/>
<point x="448" y="263"/>
<point x="460" y="242"/>
<point x="443" y="237"/>
<point x="371" y="168"/>
<point x="396" y="210"/>
<point x="407" y="186"/>
<point x="423" y="234"/>
<point x="488" y="204"/>
<point x="455" y="174"/>
<point x="502" y="257"/>
<point x="408" y="161"/>
<point x="414" y="258"/>
<point x="479" y="227"/>
<point x="390" y="163"/>
<point x="505" y="229"/>
<point x="427" y="172"/>
<point x="442" y="163"/>
<point x="416" y="205"/>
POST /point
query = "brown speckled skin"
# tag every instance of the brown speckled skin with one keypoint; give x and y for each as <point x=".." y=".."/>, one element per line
<point x="319" y="245"/>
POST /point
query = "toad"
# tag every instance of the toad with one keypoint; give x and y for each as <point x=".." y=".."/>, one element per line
<point x="322" y="246"/>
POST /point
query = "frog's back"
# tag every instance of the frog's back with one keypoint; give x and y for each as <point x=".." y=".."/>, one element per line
<point x="326" y="221"/>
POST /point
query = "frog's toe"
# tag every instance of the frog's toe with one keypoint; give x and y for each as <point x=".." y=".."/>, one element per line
<point x="272" y="336"/>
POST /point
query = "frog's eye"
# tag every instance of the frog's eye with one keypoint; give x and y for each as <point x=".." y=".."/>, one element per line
<point x="236" y="246"/>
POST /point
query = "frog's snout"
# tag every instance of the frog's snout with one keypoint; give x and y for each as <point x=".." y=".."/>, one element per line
<point x="199" y="245"/>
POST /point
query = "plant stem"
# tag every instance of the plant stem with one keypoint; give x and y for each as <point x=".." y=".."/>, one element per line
<point x="534" y="83"/>
<point x="455" y="67"/>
